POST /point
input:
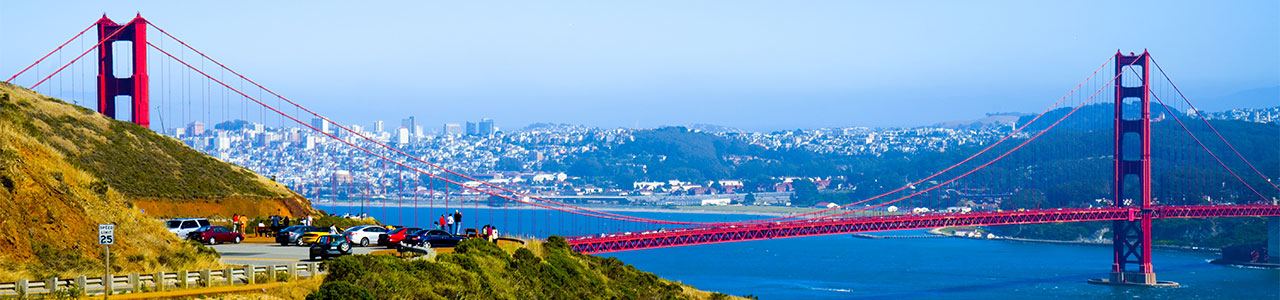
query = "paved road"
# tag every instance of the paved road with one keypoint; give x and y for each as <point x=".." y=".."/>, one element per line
<point x="268" y="254"/>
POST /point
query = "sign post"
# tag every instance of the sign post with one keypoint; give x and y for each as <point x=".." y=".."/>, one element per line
<point x="106" y="238"/>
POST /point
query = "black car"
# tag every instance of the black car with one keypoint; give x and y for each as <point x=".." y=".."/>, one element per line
<point x="330" y="246"/>
<point x="291" y="234"/>
<point x="433" y="238"/>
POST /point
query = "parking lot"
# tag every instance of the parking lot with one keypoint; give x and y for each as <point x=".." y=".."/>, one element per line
<point x="261" y="253"/>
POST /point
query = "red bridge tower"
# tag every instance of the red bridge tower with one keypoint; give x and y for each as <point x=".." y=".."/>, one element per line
<point x="1132" y="237"/>
<point x="136" y="85"/>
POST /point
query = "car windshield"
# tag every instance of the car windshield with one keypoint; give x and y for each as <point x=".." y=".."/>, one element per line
<point x="357" y="228"/>
<point x="173" y="224"/>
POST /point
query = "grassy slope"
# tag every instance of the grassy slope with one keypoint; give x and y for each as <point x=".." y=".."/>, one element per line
<point x="478" y="269"/>
<point x="64" y="169"/>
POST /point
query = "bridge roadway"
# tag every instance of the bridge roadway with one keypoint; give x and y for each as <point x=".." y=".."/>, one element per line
<point x="735" y="233"/>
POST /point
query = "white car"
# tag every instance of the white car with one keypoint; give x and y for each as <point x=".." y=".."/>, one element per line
<point x="364" y="234"/>
<point x="183" y="227"/>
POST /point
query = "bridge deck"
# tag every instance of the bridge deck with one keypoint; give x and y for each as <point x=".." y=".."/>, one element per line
<point x="734" y="233"/>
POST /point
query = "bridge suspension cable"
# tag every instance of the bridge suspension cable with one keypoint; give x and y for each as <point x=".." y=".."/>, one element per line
<point x="1215" y="130"/>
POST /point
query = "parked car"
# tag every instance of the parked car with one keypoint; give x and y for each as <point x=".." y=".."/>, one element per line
<point x="183" y="227"/>
<point x="309" y="238"/>
<point x="364" y="234"/>
<point x="330" y="245"/>
<point x="433" y="238"/>
<point x="293" y="234"/>
<point x="215" y="234"/>
<point x="393" y="238"/>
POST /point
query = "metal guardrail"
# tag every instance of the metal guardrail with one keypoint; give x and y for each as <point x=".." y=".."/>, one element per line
<point x="160" y="281"/>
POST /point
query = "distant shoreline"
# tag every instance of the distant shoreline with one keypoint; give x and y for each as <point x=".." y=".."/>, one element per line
<point x="938" y="231"/>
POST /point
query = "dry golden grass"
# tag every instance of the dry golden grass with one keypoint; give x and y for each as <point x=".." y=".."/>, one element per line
<point x="50" y="206"/>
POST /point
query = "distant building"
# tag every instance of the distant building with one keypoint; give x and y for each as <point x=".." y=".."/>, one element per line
<point x="342" y="177"/>
<point x="378" y="126"/>
<point x="453" y="129"/>
<point x="486" y="127"/>
<point x="222" y="142"/>
<point x="402" y="136"/>
<point x="320" y="124"/>
<point x="471" y="128"/>
<point x="409" y="125"/>
<point x="716" y="202"/>
<point x="195" y="128"/>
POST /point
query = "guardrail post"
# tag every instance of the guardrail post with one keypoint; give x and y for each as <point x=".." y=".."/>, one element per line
<point x="313" y="269"/>
<point x="159" y="281"/>
<point x="135" y="283"/>
<point x="182" y="278"/>
<point x="249" y="274"/>
<point x="271" y="273"/>
<point x="108" y="282"/>
<point x="21" y="287"/>
<point x="293" y="271"/>
<point x="205" y="278"/>
<point x="81" y="283"/>
<point x="51" y="284"/>
<point x="229" y="275"/>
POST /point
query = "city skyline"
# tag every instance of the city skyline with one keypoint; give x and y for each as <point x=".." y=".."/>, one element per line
<point x="756" y="67"/>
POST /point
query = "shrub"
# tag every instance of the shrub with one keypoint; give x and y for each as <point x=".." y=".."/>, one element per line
<point x="338" y="290"/>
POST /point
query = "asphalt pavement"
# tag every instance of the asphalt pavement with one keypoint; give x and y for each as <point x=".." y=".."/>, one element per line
<point x="272" y="254"/>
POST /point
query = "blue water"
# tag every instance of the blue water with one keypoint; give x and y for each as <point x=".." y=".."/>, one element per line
<point x="844" y="267"/>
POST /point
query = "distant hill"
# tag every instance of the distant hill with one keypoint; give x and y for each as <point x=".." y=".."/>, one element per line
<point x="65" y="168"/>
<point x="991" y="120"/>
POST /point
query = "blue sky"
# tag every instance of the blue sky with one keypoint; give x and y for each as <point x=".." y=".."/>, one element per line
<point x="759" y="65"/>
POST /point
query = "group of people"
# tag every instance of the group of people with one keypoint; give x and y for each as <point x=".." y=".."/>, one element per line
<point x="451" y="223"/>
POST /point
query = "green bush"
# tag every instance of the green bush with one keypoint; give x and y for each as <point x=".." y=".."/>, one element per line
<point x="478" y="269"/>
<point x="338" y="290"/>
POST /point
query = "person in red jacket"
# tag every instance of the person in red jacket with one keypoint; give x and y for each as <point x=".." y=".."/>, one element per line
<point x="442" y="222"/>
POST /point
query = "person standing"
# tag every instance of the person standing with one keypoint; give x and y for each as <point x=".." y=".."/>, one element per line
<point x="457" y="219"/>
<point x="451" y="224"/>
<point x="235" y="222"/>
<point x="440" y="223"/>
<point x="309" y="220"/>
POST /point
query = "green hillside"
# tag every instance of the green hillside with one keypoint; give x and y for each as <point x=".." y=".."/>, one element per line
<point x="478" y="269"/>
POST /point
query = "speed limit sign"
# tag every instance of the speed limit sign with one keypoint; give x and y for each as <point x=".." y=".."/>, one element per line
<point x="106" y="234"/>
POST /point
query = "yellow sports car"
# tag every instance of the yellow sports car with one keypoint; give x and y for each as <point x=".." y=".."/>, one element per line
<point x="311" y="237"/>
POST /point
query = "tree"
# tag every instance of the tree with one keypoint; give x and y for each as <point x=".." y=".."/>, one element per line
<point x="509" y="164"/>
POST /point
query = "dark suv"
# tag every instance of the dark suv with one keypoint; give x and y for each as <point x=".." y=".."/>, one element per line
<point x="291" y="235"/>
<point x="330" y="246"/>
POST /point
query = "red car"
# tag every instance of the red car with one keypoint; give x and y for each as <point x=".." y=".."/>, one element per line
<point x="216" y="234"/>
<point x="393" y="238"/>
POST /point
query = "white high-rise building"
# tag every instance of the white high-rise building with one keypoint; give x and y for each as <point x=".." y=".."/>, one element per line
<point x="377" y="126"/>
<point x="402" y="135"/>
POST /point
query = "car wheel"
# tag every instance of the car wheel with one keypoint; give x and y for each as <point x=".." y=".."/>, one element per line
<point x="364" y="242"/>
<point x="344" y="248"/>
<point x="313" y="257"/>
<point x="237" y="241"/>
<point x="213" y="241"/>
<point x="426" y="244"/>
